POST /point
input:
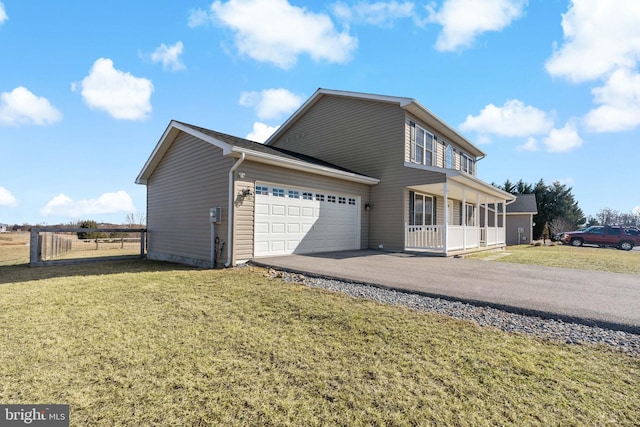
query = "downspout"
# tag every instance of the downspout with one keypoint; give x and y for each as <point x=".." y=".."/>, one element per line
<point x="230" y="215"/>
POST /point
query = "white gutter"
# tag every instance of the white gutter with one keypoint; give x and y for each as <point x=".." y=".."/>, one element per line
<point x="230" y="214"/>
<point x="305" y="166"/>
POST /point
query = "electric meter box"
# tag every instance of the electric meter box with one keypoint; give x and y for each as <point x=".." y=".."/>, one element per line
<point x="215" y="215"/>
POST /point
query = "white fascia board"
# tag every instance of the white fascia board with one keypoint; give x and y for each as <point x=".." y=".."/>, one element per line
<point x="431" y="119"/>
<point x="472" y="181"/>
<point x="402" y="102"/>
<point x="167" y="138"/>
<point x="465" y="179"/>
<point x="304" y="166"/>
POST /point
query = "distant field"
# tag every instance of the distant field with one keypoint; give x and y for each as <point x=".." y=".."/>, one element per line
<point x="14" y="248"/>
<point x="583" y="258"/>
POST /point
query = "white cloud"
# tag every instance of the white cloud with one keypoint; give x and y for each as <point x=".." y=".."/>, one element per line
<point x="271" y="103"/>
<point x="378" y="13"/>
<point x="3" y="13"/>
<point x="564" y="139"/>
<point x="120" y="94"/>
<point x="619" y="101"/>
<point x="197" y="18"/>
<point x="20" y="106"/>
<point x="530" y="145"/>
<point x="600" y="36"/>
<point x="7" y="199"/>
<point x="464" y="20"/>
<point x="275" y="31"/>
<point x="261" y="132"/>
<point x="108" y="203"/>
<point x="513" y="119"/>
<point x="169" y="56"/>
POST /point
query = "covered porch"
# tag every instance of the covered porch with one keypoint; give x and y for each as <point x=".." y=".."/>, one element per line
<point x="465" y="219"/>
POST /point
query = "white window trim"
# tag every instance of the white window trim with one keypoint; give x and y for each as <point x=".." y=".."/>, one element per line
<point x="414" y="145"/>
<point x="448" y="156"/>
<point x="424" y="208"/>
<point x="467" y="164"/>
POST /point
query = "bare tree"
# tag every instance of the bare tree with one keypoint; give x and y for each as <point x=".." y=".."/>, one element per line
<point x="135" y="220"/>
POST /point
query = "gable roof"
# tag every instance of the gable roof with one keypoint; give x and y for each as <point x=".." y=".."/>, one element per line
<point x="408" y="104"/>
<point x="235" y="147"/>
<point x="524" y="203"/>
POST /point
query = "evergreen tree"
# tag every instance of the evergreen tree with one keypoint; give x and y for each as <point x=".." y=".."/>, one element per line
<point x="555" y="203"/>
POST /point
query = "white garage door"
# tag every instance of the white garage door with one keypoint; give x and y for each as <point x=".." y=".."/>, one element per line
<point x="295" y="220"/>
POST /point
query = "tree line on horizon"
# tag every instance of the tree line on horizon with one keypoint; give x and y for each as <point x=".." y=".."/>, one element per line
<point x="558" y="209"/>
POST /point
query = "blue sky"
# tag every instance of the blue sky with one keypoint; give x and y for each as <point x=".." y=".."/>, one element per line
<point x="549" y="89"/>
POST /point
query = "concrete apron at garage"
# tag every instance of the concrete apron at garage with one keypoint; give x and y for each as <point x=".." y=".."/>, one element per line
<point x="609" y="300"/>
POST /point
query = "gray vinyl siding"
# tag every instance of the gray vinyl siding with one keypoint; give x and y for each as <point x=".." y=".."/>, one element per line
<point x="263" y="173"/>
<point x="190" y="179"/>
<point x="513" y="222"/>
<point x="439" y="201"/>
<point x="367" y="137"/>
<point x="439" y="146"/>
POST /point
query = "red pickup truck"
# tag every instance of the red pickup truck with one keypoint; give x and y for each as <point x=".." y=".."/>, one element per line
<point x="624" y="238"/>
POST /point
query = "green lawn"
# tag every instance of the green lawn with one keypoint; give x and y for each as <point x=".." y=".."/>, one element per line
<point x="144" y="343"/>
<point x="584" y="258"/>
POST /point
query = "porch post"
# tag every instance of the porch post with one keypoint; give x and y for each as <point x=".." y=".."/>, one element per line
<point x="495" y="217"/>
<point x="476" y="216"/>
<point x="504" y="220"/>
<point x="464" y="218"/>
<point x="445" y="234"/>
<point x="486" y="220"/>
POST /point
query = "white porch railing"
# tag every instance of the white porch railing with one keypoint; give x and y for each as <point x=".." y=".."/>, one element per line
<point x="424" y="237"/>
<point x="431" y="237"/>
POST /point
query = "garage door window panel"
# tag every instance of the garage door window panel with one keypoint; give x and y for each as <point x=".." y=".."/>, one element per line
<point x="294" y="220"/>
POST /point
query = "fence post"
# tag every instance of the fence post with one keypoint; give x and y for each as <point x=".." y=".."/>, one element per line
<point x="142" y="236"/>
<point x="33" y="247"/>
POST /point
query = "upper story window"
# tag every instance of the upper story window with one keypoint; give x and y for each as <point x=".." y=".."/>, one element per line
<point x="448" y="157"/>
<point x="422" y="146"/>
<point x="467" y="164"/>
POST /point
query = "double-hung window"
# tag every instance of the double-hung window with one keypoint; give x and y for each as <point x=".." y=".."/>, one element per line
<point x="421" y="209"/>
<point x="467" y="164"/>
<point x="422" y="146"/>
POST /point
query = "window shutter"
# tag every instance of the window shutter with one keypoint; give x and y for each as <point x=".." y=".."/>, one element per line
<point x="412" y="140"/>
<point x="435" y="211"/>
<point x="411" y="208"/>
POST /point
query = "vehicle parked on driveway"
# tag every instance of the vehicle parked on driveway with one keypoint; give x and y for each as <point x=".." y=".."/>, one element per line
<point x="624" y="238"/>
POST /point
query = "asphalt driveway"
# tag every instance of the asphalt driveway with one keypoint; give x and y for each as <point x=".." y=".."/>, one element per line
<point x="609" y="300"/>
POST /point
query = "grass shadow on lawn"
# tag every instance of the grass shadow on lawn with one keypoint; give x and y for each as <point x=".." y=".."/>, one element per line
<point x="24" y="273"/>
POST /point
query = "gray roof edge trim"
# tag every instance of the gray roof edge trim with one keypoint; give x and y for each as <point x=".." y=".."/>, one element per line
<point x="165" y="142"/>
<point x="403" y="102"/>
<point x="320" y="92"/>
<point x="417" y="104"/>
<point x="304" y="166"/>
<point x="464" y="176"/>
<point x="452" y="173"/>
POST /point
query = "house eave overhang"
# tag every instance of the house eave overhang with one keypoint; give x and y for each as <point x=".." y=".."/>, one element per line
<point x="299" y="165"/>
<point x="461" y="180"/>
<point x="170" y="134"/>
<point x="408" y="104"/>
<point x="425" y="115"/>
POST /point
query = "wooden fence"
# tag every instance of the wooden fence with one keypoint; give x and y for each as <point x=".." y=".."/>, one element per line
<point x="49" y="243"/>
